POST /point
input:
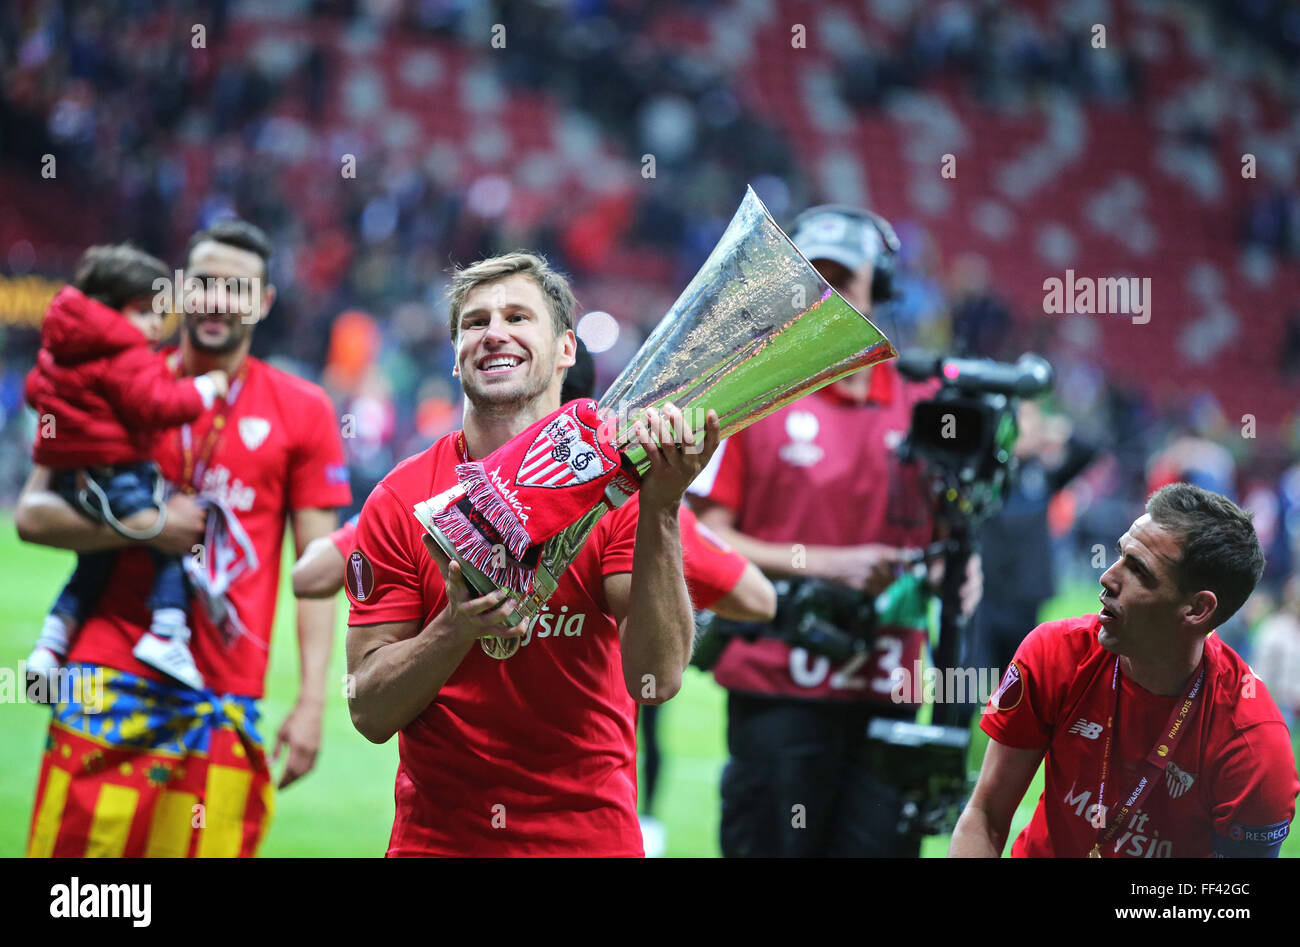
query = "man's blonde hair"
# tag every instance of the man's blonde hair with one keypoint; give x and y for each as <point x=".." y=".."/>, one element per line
<point x="552" y="283"/>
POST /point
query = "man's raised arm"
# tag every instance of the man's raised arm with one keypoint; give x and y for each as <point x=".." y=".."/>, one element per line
<point x="982" y="830"/>
<point x="653" y="606"/>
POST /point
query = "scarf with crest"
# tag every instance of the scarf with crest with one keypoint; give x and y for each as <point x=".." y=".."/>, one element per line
<point x="526" y="491"/>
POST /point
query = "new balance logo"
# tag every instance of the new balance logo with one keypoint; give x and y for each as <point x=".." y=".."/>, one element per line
<point x="1086" y="729"/>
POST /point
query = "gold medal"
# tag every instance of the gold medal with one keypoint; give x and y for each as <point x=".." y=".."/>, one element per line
<point x="499" y="648"/>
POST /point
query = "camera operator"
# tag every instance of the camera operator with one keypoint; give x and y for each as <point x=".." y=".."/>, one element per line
<point x="816" y="491"/>
<point x="1016" y="539"/>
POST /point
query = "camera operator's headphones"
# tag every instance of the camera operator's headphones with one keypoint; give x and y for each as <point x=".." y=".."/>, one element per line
<point x="882" y="255"/>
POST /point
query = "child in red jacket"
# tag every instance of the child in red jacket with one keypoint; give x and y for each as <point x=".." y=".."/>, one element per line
<point x="103" y="396"/>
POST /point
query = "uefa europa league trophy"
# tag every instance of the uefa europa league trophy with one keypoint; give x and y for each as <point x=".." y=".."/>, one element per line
<point x="756" y="329"/>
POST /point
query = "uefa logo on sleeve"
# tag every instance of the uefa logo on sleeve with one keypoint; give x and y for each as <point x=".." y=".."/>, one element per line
<point x="1010" y="691"/>
<point x="358" y="575"/>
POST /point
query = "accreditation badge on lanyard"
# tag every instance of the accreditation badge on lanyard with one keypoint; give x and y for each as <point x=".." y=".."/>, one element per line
<point x="194" y="464"/>
<point x="1156" y="760"/>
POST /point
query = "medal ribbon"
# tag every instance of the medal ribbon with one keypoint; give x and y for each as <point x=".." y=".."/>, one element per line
<point x="1156" y="759"/>
<point x="193" y="468"/>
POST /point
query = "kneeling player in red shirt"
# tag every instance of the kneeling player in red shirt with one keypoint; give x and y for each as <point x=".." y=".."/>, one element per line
<point x="533" y="754"/>
<point x="1160" y="741"/>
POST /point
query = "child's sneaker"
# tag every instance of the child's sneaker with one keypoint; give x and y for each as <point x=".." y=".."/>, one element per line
<point x="170" y="655"/>
<point x="41" y="665"/>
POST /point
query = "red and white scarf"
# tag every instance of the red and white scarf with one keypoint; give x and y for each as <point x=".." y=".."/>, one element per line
<point x="527" y="490"/>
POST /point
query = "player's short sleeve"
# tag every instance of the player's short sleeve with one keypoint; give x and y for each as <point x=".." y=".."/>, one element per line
<point x="617" y="532"/>
<point x="318" y="474"/>
<point x="381" y="573"/>
<point x="712" y="568"/>
<point x="722" y="480"/>
<point x="345" y="537"/>
<point x="1255" y="789"/>
<point x="1024" y="708"/>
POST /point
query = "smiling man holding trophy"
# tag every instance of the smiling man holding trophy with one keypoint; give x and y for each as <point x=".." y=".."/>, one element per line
<point x="497" y="536"/>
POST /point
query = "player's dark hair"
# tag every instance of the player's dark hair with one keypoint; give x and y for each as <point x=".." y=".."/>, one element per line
<point x="117" y="273"/>
<point x="239" y="234"/>
<point x="580" y="377"/>
<point x="1220" y="549"/>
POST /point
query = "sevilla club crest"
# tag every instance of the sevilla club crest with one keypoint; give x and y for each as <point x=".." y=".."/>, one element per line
<point x="562" y="454"/>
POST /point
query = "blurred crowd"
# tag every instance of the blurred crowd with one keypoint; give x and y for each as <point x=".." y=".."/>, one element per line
<point x="158" y="134"/>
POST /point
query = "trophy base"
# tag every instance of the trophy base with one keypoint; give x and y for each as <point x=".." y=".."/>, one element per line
<point x="479" y="583"/>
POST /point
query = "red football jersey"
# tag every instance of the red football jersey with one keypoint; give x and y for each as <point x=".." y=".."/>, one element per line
<point x="824" y="471"/>
<point x="279" y="450"/>
<point x="532" y="755"/>
<point x="1229" y="785"/>
<point x="712" y="568"/>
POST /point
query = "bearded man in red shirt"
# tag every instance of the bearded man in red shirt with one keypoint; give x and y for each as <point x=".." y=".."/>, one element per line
<point x="533" y="752"/>
<point x="1160" y="741"/>
<point x="137" y="764"/>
